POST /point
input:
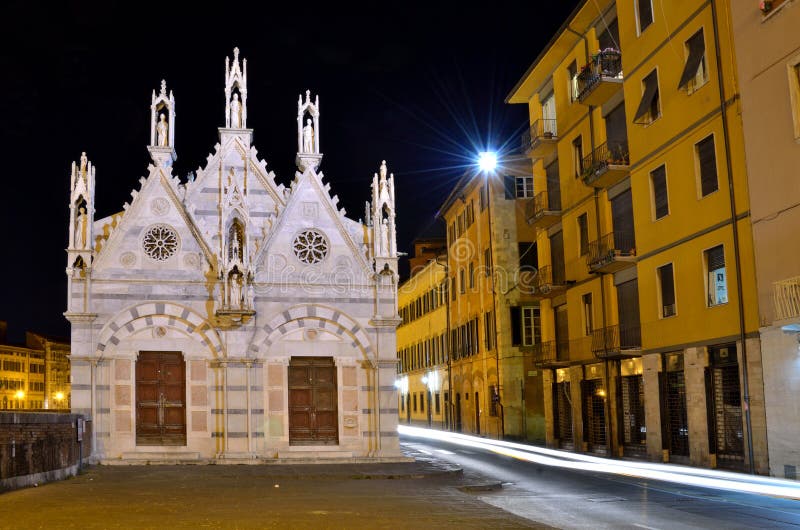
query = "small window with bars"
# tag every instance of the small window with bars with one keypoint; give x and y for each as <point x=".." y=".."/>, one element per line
<point x="707" y="165"/>
<point x="717" y="286"/>
<point x="658" y="180"/>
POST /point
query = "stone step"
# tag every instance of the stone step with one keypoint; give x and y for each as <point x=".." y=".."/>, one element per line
<point x="156" y="457"/>
<point x="314" y="454"/>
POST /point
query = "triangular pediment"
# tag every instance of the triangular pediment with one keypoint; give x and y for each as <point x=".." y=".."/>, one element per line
<point x="155" y="234"/>
<point x="288" y="254"/>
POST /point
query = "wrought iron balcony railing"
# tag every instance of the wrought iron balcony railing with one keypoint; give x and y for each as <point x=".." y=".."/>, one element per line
<point x="542" y="129"/>
<point x="786" y="298"/>
<point x="606" y="64"/>
<point x="611" y="246"/>
<point x="547" y="278"/>
<point x="542" y="202"/>
<point x="613" y="340"/>
<point x="598" y="161"/>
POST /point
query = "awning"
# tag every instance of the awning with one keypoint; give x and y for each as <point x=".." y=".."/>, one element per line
<point x="650" y="94"/>
<point x="697" y="50"/>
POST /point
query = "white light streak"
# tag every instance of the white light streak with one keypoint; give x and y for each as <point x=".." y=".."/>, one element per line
<point x="707" y="478"/>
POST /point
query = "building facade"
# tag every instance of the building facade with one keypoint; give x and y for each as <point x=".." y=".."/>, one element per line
<point x="768" y="61"/>
<point x="649" y="337"/>
<point x="227" y="316"/>
<point x="423" y="383"/>
<point x="34" y="376"/>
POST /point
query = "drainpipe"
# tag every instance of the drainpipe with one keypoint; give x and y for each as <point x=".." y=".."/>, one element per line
<point x="736" y="247"/>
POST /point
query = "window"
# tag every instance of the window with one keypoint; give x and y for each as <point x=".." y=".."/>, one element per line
<point x="415" y="402"/>
<point x="794" y="93"/>
<point x="572" y="80"/>
<point x="462" y="280"/>
<point x="650" y="106"/>
<point x="451" y="232"/>
<point x="524" y="187"/>
<point x="422" y="401"/>
<point x="583" y="233"/>
<point x="658" y="180"/>
<point x="487" y="262"/>
<point x="707" y="165"/>
<point x="437" y="403"/>
<point x="528" y="256"/>
<point x="577" y="156"/>
<point x="588" y="324"/>
<point x="484" y="196"/>
<point x="453" y="288"/>
<point x="695" y="73"/>
<point x="488" y="331"/>
<point x="666" y="282"/>
<point x="471" y="275"/>
<point x="531" y="326"/>
<point x="494" y="399"/>
<point x="469" y="213"/>
<point x="717" y="279"/>
<point x="644" y="10"/>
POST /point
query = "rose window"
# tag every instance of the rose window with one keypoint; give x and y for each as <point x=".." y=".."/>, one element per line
<point x="160" y="242"/>
<point x="310" y="247"/>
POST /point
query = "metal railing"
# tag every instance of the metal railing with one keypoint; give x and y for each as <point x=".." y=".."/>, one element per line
<point x="547" y="277"/>
<point x="550" y="352"/>
<point x="540" y="203"/>
<point x="786" y="298"/>
<point x="543" y="128"/>
<point x="610" y="246"/>
<point x="607" y="63"/>
<point x="603" y="156"/>
<point x="613" y="339"/>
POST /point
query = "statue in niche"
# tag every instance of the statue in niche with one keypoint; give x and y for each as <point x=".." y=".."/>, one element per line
<point x="162" y="128"/>
<point x="80" y="229"/>
<point x="235" y="248"/>
<point x="235" y="288"/>
<point x="236" y="112"/>
<point x="308" y="137"/>
<point x="250" y="296"/>
<point x="385" y="237"/>
<point x="84" y="162"/>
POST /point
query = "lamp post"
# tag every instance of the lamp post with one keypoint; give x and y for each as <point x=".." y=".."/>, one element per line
<point x="487" y="162"/>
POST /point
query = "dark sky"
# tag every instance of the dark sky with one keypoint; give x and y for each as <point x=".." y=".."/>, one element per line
<point x="422" y="87"/>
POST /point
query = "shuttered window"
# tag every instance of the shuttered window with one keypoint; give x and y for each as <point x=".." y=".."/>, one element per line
<point x="645" y="13"/>
<point x="510" y="187"/>
<point x="667" y="284"/>
<point x="717" y="277"/>
<point x="658" y="177"/>
<point x="557" y="257"/>
<point x="622" y="219"/>
<point x="553" y="186"/>
<point x="694" y="72"/>
<point x="649" y="107"/>
<point x="516" y="327"/>
<point x="583" y="233"/>
<point x="707" y="163"/>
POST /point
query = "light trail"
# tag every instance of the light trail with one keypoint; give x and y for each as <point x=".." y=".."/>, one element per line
<point x="706" y="478"/>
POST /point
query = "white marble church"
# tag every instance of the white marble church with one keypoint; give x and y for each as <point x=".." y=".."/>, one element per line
<point x="229" y="318"/>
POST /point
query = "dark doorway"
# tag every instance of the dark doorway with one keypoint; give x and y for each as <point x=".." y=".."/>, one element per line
<point x="160" y="399"/>
<point x="458" y="412"/>
<point x="562" y="409"/>
<point x="477" y="414"/>
<point x="313" y="414"/>
<point x="674" y="417"/>
<point x="594" y="415"/>
<point x="725" y="407"/>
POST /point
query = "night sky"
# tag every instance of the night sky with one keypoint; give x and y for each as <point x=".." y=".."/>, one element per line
<point x="422" y="87"/>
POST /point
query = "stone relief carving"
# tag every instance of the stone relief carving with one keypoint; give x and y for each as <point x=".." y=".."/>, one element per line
<point x="159" y="206"/>
<point x="192" y="260"/>
<point x="127" y="259"/>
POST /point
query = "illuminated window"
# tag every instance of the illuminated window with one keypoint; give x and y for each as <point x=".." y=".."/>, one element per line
<point x="717" y="279"/>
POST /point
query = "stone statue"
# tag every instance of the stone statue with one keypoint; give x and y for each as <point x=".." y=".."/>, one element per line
<point x="236" y="112"/>
<point x="385" y="237"/>
<point x="84" y="162"/>
<point x="161" y="130"/>
<point x="235" y="248"/>
<point x="80" y="229"/>
<point x="308" y="137"/>
<point x="250" y="296"/>
<point x="235" y="285"/>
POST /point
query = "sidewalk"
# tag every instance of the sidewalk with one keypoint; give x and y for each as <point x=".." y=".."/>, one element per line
<point x="420" y="494"/>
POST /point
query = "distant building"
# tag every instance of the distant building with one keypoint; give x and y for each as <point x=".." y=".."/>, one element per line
<point x="768" y="60"/>
<point x="34" y="376"/>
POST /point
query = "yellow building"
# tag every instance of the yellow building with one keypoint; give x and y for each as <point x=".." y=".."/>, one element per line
<point x="34" y="376"/>
<point x="646" y="284"/>
<point x="494" y="319"/>
<point x="422" y="381"/>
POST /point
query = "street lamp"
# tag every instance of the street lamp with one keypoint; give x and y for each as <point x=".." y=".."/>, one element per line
<point x="20" y="396"/>
<point x="487" y="161"/>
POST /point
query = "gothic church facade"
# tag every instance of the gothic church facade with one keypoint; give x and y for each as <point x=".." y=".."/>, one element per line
<point x="228" y="317"/>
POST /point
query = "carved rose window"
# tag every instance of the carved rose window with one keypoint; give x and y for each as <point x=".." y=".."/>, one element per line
<point x="160" y="242"/>
<point x="310" y="246"/>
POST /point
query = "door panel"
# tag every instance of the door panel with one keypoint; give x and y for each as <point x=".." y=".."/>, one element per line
<point x="160" y="399"/>
<point x="313" y="398"/>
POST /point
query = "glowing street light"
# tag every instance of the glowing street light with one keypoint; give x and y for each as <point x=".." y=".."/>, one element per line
<point x="59" y="396"/>
<point x="19" y="395"/>
<point x="487" y="161"/>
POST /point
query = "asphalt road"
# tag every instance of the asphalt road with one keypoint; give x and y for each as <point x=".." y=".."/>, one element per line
<point x="579" y="499"/>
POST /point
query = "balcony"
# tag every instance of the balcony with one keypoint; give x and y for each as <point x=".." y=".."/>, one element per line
<point x="615" y="342"/>
<point x="606" y="166"/>
<point x="551" y="353"/>
<point x="541" y="140"/>
<point x="601" y="79"/>
<point x="786" y="298"/>
<point x="543" y="211"/>
<point x="613" y="252"/>
<point x="548" y="284"/>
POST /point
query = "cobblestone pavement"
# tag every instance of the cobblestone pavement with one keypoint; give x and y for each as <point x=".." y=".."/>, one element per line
<point x="405" y="495"/>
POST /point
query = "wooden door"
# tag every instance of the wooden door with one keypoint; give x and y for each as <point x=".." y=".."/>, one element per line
<point x="313" y="414"/>
<point x="160" y="399"/>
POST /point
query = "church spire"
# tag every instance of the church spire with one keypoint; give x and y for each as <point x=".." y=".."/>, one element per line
<point x="235" y="92"/>
<point x="162" y="127"/>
